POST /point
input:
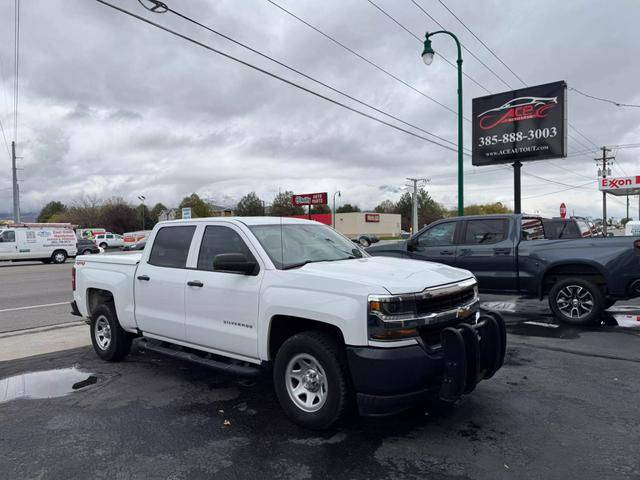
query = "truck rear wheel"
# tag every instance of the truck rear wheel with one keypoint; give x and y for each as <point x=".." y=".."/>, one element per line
<point x="310" y="380"/>
<point x="577" y="301"/>
<point x="59" y="256"/>
<point x="109" y="340"/>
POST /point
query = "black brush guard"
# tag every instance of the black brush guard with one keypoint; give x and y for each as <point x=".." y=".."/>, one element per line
<point x="471" y="353"/>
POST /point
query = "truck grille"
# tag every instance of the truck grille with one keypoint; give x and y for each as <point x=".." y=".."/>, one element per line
<point x="442" y="303"/>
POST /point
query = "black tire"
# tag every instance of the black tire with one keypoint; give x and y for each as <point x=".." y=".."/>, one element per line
<point x="87" y="252"/>
<point x="364" y="241"/>
<point x="59" y="256"/>
<point x="119" y="342"/>
<point x="324" y="349"/>
<point x="103" y="245"/>
<point x="577" y="288"/>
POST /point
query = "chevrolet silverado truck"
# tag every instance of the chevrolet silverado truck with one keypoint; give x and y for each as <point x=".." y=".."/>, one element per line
<point x="512" y="254"/>
<point x="333" y="324"/>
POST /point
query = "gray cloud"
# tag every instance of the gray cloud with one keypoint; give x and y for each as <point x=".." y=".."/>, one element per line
<point x="110" y="106"/>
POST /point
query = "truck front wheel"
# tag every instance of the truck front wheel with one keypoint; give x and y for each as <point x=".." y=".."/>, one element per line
<point x="109" y="340"/>
<point x="577" y="301"/>
<point x="310" y="380"/>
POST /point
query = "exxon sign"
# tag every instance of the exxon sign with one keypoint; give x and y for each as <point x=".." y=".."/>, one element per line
<point x="620" y="185"/>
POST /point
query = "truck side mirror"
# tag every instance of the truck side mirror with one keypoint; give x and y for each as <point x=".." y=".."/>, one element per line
<point x="234" y="263"/>
<point x="412" y="243"/>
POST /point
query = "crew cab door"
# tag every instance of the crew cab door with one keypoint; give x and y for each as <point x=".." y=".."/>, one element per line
<point x="159" y="283"/>
<point x="487" y="250"/>
<point x="436" y="244"/>
<point x="222" y="307"/>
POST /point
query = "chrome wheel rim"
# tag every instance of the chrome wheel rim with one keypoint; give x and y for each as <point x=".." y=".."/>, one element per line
<point x="102" y="332"/>
<point x="575" y="301"/>
<point x="306" y="382"/>
<point x="59" y="257"/>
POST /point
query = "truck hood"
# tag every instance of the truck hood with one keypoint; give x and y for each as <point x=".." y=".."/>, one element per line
<point x="396" y="275"/>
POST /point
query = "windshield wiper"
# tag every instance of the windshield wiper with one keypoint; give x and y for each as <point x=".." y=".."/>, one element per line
<point x="297" y="265"/>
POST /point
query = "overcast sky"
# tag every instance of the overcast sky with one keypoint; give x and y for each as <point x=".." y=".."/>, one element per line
<point x="110" y="106"/>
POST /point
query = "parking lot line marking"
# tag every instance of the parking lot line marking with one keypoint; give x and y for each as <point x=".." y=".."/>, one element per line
<point x="542" y="324"/>
<point x="34" y="306"/>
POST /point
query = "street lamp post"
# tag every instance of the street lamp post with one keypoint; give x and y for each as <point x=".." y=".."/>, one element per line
<point x="334" y="207"/>
<point x="142" y="198"/>
<point x="427" y="57"/>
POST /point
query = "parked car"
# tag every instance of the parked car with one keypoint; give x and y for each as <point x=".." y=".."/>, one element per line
<point x="86" y="247"/>
<point x="511" y="254"/>
<point x="48" y="244"/>
<point x="132" y="247"/>
<point x="108" y="240"/>
<point x="297" y="298"/>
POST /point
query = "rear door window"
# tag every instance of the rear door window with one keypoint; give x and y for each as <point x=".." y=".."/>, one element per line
<point x="485" y="232"/>
<point x="171" y="246"/>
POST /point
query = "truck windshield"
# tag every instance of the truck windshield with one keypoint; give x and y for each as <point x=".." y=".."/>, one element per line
<point x="291" y="246"/>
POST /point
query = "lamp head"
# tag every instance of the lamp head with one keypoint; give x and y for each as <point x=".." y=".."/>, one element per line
<point x="427" y="52"/>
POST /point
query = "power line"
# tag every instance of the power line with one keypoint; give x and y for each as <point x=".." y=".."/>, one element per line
<point x="483" y="44"/>
<point x="463" y="46"/>
<point x="6" y="144"/>
<point x="353" y="52"/>
<point x="558" y="191"/>
<point x="308" y="77"/>
<point x="613" y="102"/>
<point x="384" y="12"/>
<point x="272" y="75"/>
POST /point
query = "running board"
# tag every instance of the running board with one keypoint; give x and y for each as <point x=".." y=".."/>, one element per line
<point x="226" y="367"/>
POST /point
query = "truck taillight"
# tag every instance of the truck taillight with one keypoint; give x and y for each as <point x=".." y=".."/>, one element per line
<point x="73" y="278"/>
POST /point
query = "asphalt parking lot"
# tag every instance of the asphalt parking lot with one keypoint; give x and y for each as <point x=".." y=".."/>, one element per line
<point x="565" y="405"/>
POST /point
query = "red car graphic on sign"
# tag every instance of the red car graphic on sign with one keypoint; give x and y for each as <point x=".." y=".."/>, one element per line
<point x="521" y="108"/>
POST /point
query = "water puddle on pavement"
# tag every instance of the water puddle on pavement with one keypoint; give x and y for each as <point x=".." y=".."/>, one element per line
<point x="44" y="384"/>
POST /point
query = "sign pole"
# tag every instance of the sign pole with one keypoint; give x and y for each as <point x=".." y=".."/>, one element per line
<point x="517" y="193"/>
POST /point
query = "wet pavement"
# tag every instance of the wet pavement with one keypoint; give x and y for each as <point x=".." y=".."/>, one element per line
<point x="565" y="405"/>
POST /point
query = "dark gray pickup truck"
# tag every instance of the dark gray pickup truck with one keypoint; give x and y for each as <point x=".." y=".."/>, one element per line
<point x="510" y="254"/>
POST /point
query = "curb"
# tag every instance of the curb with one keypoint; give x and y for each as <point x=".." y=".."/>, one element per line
<point x="28" y="331"/>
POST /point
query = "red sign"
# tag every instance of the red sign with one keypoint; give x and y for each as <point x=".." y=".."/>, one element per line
<point x="372" y="217"/>
<point x="309" y="199"/>
<point x="563" y="210"/>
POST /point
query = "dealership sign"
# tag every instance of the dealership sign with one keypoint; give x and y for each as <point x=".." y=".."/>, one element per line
<point x="310" y="199"/>
<point x="620" y="185"/>
<point x="520" y="125"/>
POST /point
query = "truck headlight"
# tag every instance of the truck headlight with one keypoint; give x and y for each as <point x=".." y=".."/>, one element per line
<point x="392" y="317"/>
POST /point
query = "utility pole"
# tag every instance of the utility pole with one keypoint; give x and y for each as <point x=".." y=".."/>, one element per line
<point x="16" y="191"/>
<point x="414" y="202"/>
<point x="603" y="172"/>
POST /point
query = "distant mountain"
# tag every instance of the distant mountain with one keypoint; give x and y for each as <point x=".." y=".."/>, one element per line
<point x="24" y="216"/>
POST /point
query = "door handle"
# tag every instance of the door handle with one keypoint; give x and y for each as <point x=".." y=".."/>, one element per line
<point x="144" y="277"/>
<point x="195" y="283"/>
<point x="446" y="252"/>
<point x="501" y="251"/>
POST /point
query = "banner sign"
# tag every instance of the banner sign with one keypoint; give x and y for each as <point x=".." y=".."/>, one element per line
<point x="620" y="185"/>
<point x="372" y="217"/>
<point x="520" y="125"/>
<point x="309" y="199"/>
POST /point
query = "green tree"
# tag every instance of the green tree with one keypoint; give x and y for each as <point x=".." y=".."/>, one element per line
<point x="49" y="210"/>
<point x="624" y="221"/>
<point x="155" y="212"/>
<point x="348" y="208"/>
<point x="250" y="206"/>
<point x="386" y="206"/>
<point x="320" y="209"/>
<point x="144" y="214"/>
<point x="428" y="209"/>
<point x="118" y="216"/>
<point x="283" y="207"/>
<point x="485" y="209"/>
<point x="199" y="208"/>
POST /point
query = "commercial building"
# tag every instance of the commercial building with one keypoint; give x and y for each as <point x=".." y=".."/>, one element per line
<point x="379" y="224"/>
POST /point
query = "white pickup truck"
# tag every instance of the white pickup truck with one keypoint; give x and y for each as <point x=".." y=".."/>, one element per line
<point x="293" y="296"/>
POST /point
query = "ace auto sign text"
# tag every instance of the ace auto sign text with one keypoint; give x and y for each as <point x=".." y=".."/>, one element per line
<point x="526" y="124"/>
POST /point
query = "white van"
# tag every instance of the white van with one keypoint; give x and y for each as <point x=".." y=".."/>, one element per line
<point x="49" y="244"/>
<point x="632" y="228"/>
